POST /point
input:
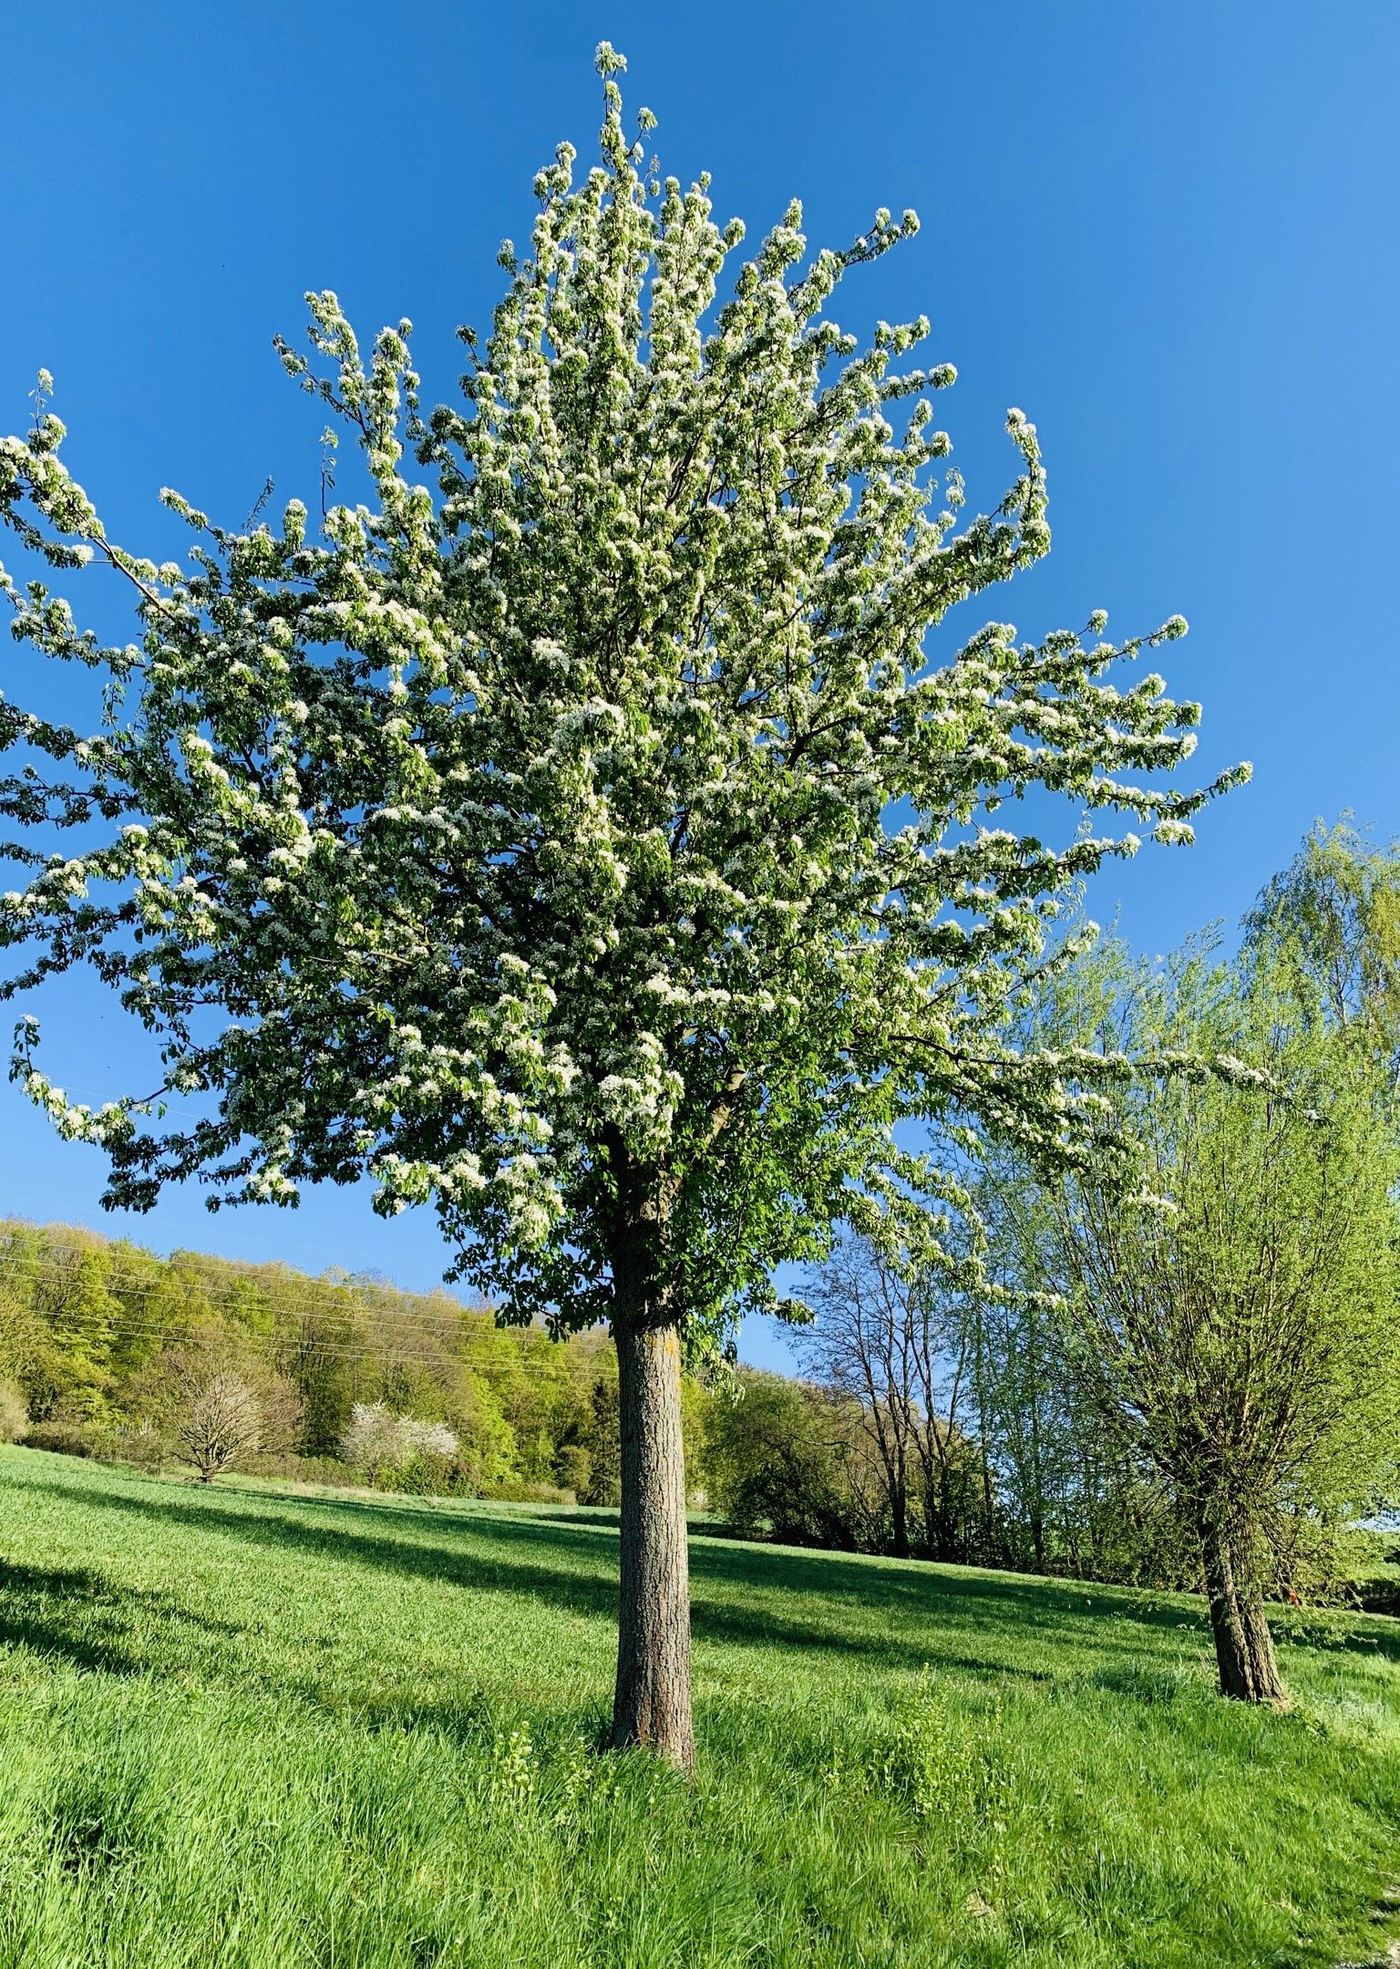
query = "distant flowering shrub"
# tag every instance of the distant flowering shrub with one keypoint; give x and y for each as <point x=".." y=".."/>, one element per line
<point x="376" y="1439"/>
<point x="428" y="1438"/>
<point x="372" y="1439"/>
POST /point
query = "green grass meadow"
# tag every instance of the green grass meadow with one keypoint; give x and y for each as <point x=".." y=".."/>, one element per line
<point x="252" y="1727"/>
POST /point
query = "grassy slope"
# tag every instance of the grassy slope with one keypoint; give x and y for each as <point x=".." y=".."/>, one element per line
<point x="245" y="1727"/>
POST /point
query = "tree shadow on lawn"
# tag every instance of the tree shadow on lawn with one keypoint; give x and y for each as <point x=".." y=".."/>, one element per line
<point x="914" y="1609"/>
<point x="79" y="1616"/>
<point x="574" y="1567"/>
<point x="907" y="1590"/>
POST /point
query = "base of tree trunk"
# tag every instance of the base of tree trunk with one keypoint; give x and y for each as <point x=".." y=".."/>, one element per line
<point x="1244" y="1645"/>
<point x="652" y="1704"/>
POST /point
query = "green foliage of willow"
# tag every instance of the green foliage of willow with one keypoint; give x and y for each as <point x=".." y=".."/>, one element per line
<point x="1233" y="1316"/>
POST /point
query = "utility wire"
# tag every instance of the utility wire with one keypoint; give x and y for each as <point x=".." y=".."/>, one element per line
<point x="432" y="1346"/>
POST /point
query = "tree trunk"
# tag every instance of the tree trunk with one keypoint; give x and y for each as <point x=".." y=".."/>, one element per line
<point x="899" y="1519"/>
<point x="1244" y="1647"/>
<point x="1037" y="1477"/>
<point x="651" y="1707"/>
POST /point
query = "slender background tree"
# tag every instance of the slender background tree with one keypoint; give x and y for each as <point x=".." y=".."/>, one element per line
<point x="886" y="1336"/>
<point x="584" y="840"/>
<point x="1329" y="923"/>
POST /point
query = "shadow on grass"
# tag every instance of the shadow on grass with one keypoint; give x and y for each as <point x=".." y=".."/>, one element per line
<point x="73" y="1614"/>
<point x="573" y="1566"/>
<point x="901" y="1616"/>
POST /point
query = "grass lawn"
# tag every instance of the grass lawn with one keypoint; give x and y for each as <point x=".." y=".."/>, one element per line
<point x="250" y="1727"/>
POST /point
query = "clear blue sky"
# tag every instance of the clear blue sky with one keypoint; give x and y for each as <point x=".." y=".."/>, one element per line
<point x="1168" y="233"/>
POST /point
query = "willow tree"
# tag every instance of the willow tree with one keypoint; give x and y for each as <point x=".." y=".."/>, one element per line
<point x="580" y="840"/>
<point x="1229" y="1320"/>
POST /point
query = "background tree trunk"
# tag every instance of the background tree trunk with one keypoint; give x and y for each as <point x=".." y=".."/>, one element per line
<point x="899" y="1519"/>
<point x="652" y="1702"/>
<point x="1244" y="1646"/>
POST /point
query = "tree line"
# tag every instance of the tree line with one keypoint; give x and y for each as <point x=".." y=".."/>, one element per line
<point x="108" y="1349"/>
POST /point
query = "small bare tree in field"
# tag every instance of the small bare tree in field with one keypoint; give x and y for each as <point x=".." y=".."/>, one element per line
<point x="219" y="1423"/>
<point x="223" y="1410"/>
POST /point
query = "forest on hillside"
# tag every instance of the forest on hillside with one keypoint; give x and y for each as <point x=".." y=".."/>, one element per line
<point x="113" y="1350"/>
<point x="910" y="1431"/>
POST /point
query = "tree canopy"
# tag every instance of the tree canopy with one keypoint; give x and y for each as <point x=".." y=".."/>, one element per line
<point x="531" y="827"/>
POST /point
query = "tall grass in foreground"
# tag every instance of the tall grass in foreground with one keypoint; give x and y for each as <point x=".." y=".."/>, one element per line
<point x="245" y="1728"/>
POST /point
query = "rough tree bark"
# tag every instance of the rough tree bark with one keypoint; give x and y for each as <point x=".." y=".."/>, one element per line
<point x="651" y="1707"/>
<point x="1244" y="1646"/>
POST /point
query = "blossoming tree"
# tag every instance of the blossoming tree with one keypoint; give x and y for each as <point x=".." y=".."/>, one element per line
<point x="582" y="841"/>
